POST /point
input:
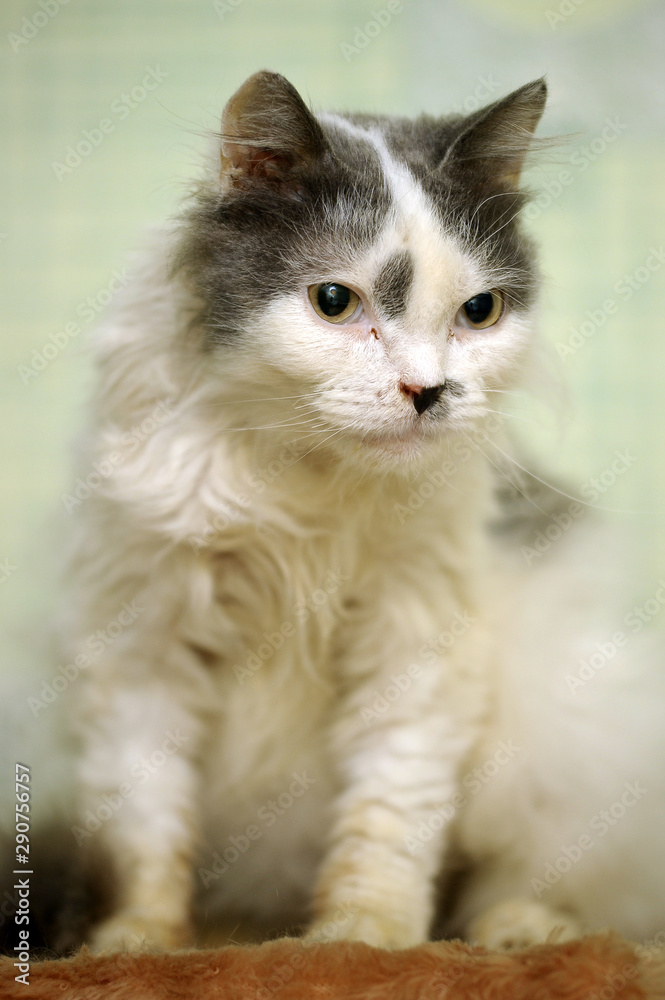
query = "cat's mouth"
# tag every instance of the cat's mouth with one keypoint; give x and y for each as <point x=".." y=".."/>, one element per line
<point x="399" y="441"/>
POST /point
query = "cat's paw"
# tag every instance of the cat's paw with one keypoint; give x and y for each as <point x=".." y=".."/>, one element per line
<point x="519" y="923"/>
<point x="378" y="929"/>
<point x="129" y="933"/>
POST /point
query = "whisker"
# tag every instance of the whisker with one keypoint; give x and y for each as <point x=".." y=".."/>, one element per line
<point x="491" y="197"/>
<point x="265" y="427"/>
<point x="319" y="444"/>
<point x="585" y="503"/>
<point x="505" y="392"/>
<point x="491" y="235"/>
<point x="504" y="474"/>
<point x="260" y="399"/>
<point x="513" y="416"/>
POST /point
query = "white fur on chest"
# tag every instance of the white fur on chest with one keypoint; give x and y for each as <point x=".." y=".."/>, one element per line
<point x="268" y="776"/>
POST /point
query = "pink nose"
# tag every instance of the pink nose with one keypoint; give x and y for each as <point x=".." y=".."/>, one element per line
<point x="421" y="397"/>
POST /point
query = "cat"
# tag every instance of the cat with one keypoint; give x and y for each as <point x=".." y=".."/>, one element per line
<point x="313" y="682"/>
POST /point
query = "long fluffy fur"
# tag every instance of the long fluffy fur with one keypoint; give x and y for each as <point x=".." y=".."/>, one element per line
<point x="284" y="555"/>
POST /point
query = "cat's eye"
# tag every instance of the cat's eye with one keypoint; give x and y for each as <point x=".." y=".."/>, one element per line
<point x="481" y="311"/>
<point x="334" y="302"/>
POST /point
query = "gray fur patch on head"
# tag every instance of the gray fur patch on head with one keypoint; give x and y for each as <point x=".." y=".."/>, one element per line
<point x="392" y="286"/>
<point x="281" y="225"/>
<point x="308" y="199"/>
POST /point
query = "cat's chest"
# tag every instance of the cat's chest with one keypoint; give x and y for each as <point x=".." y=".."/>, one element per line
<point x="295" y="598"/>
<point x="278" y="604"/>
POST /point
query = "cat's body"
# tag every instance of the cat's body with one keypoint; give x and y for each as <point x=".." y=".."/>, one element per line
<point x="319" y="642"/>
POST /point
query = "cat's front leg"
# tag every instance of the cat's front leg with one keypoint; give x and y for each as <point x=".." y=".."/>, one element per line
<point x="400" y="740"/>
<point x="139" y="809"/>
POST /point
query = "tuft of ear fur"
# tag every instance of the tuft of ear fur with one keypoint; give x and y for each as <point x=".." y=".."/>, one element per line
<point x="269" y="135"/>
<point x="495" y="140"/>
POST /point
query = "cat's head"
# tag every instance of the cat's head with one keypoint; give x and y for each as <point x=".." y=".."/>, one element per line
<point x="365" y="280"/>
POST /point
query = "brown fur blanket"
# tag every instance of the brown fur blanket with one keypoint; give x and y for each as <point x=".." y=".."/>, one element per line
<point x="601" y="967"/>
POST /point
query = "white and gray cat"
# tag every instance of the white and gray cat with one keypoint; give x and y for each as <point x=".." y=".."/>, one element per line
<point x="328" y="686"/>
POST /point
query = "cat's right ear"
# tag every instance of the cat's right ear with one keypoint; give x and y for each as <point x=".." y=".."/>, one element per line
<point x="269" y="136"/>
<point x="493" y="142"/>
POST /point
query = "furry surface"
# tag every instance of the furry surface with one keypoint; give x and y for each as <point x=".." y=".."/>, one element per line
<point x="306" y="681"/>
<point x="603" y="967"/>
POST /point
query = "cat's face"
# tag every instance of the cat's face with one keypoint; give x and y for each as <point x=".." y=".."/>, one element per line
<point x="366" y="276"/>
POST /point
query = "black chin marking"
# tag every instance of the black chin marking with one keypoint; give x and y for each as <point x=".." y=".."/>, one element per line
<point x="453" y="388"/>
<point x="391" y="288"/>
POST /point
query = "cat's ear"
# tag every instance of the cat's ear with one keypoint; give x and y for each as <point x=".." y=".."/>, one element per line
<point x="269" y="135"/>
<point x="495" y="140"/>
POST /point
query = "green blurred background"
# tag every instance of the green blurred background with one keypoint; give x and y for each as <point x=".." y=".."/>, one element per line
<point x="64" y="67"/>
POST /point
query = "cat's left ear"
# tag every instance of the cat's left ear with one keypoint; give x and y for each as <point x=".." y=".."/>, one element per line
<point x="495" y="140"/>
<point x="269" y="136"/>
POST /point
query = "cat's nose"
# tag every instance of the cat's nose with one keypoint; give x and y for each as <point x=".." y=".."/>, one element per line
<point x="421" y="397"/>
